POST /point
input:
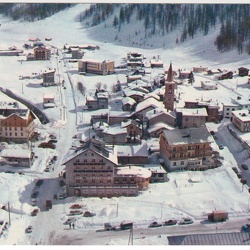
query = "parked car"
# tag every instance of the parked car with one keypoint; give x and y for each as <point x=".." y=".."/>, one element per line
<point x="155" y="224"/>
<point x="62" y="183"/>
<point x="221" y="147"/>
<point x="39" y="183"/>
<point x="170" y="222"/>
<point x="33" y="202"/>
<point x="235" y="170"/>
<point x="76" y="212"/>
<point x="88" y="214"/>
<point x="34" y="194"/>
<point x="47" y="145"/>
<point x="34" y="212"/>
<point x="47" y="169"/>
<point x="239" y="175"/>
<point x="52" y="141"/>
<point x="244" y="166"/>
<point x="185" y="221"/>
<point x="62" y="196"/>
<point x="69" y="220"/>
<point x="245" y="228"/>
<point x="28" y="229"/>
<point x="76" y="206"/>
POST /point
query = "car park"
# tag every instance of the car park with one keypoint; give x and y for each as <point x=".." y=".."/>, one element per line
<point x="170" y="222"/>
<point x="185" y="221"/>
<point x="155" y="224"/>
<point x="244" y="166"/>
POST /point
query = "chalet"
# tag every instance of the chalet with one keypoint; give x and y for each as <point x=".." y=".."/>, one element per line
<point x="114" y="135"/>
<point x="160" y="115"/>
<point x="146" y="105"/>
<point x="225" y="75"/>
<point x="214" y="71"/>
<point x="187" y="118"/>
<point x="155" y="63"/>
<point x="241" y="120"/>
<point x="140" y="83"/>
<point x="213" y="114"/>
<point x="184" y="74"/>
<point x="185" y="148"/>
<point x="18" y="157"/>
<point x="209" y="85"/>
<point x="99" y="127"/>
<point x="131" y="78"/>
<point x="76" y="53"/>
<point x="42" y="53"/>
<point x="49" y="77"/>
<point x="135" y="95"/>
<point x="91" y="170"/>
<point x="159" y="174"/>
<point x="128" y="104"/>
<point x="134" y="61"/>
<point x="132" y="174"/>
<point x="200" y="69"/>
<point x="132" y="154"/>
<point x="228" y="109"/>
<point x="134" y="130"/>
<point x="243" y="103"/>
<point x="243" y="71"/>
<point x="138" y="88"/>
<point x="48" y="100"/>
<point x="99" y="101"/>
<point x="99" y="117"/>
<point x="105" y="67"/>
<point x="116" y="117"/>
<point x="156" y="129"/>
<point x="17" y="125"/>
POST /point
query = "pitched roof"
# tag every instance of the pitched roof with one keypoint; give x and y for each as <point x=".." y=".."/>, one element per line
<point x="149" y="102"/>
<point x="235" y="238"/>
<point x="188" y="136"/>
<point x="170" y="74"/>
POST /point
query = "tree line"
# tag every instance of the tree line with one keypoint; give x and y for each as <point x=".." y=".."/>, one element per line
<point x="31" y="11"/>
<point x="160" y="19"/>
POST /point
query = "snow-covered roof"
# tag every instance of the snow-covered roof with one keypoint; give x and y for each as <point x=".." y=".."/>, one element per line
<point x="48" y="96"/>
<point x="119" y="114"/>
<point x="159" y="111"/>
<point x="188" y="136"/>
<point x="150" y="102"/>
<point x="159" y="125"/>
<point x="151" y="94"/>
<point x="128" y="92"/>
<point x="192" y="112"/>
<point x="242" y="115"/>
<point x="16" y="153"/>
<point x="128" y="123"/>
<point x="132" y="150"/>
<point x="135" y="171"/>
<point x="115" y="130"/>
<point x="128" y="100"/>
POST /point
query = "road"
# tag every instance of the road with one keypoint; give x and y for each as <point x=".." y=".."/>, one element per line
<point x="44" y="223"/>
<point x="100" y="237"/>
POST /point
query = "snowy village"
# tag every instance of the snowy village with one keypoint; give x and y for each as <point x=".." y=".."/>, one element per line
<point x="110" y="144"/>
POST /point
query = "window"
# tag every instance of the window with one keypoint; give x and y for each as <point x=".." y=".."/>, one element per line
<point x="174" y="163"/>
<point x="182" y="162"/>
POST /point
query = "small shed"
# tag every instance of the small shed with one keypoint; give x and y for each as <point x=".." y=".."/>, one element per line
<point x="18" y="157"/>
<point x="48" y="100"/>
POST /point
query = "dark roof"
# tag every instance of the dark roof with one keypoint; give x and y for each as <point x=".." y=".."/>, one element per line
<point x="210" y="239"/>
<point x="170" y="74"/>
<point x="7" y="112"/>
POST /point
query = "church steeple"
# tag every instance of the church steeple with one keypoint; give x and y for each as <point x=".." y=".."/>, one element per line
<point x="169" y="90"/>
<point x="170" y="74"/>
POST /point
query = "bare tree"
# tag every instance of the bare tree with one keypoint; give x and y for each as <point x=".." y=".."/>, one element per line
<point x="81" y="88"/>
<point x="98" y="85"/>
